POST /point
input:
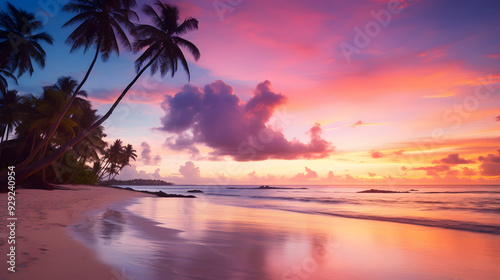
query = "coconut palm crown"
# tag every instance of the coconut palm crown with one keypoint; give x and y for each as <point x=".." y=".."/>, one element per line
<point x="162" y="42"/>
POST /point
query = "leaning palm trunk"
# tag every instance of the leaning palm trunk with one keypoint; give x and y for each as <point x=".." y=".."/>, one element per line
<point x="41" y="164"/>
<point x="100" y="171"/>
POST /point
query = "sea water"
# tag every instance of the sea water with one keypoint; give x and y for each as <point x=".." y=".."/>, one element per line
<point x="302" y="232"/>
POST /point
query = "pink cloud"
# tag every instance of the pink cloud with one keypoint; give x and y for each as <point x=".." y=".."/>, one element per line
<point x="399" y="153"/>
<point x="433" y="170"/>
<point x="190" y="171"/>
<point x="490" y="165"/>
<point x="310" y="174"/>
<point x="377" y="154"/>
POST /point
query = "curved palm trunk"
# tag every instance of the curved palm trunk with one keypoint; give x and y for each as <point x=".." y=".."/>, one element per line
<point x="39" y="165"/>
<point x="55" y="125"/>
<point x="98" y="173"/>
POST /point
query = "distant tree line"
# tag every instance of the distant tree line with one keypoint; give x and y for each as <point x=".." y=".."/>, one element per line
<point x="137" y="182"/>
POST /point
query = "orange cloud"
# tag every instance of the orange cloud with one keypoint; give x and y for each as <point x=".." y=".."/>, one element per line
<point x="433" y="170"/>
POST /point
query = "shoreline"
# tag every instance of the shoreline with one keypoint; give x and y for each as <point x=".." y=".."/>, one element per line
<point x="42" y="236"/>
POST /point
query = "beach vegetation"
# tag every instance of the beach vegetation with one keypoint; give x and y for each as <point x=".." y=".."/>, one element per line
<point x="59" y="136"/>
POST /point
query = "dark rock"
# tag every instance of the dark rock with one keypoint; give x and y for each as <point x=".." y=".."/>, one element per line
<point x="379" y="191"/>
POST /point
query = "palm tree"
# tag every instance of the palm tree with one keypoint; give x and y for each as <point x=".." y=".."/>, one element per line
<point x="4" y="73"/>
<point x="19" y="42"/>
<point x="66" y="85"/>
<point x="91" y="146"/>
<point x="100" y="23"/>
<point x="127" y="154"/>
<point x="111" y="160"/>
<point x="163" y="51"/>
<point x="9" y="113"/>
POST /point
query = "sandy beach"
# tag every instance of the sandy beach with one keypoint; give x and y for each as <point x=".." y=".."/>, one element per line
<point x="44" y="249"/>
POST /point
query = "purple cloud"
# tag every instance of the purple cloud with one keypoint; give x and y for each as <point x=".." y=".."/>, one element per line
<point x="181" y="142"/>
<point x="453" y="159"/>
<point x="146" y="156"/>
<point x="217" y="118"/>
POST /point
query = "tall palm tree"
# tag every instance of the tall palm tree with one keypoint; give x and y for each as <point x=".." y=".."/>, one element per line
<point x="100" y="23"/>
<point x="163" y="50"/>
<point x="19" y="42"/>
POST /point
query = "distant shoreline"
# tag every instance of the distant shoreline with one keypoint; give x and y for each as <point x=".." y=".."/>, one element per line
<point x="137" y="182"/>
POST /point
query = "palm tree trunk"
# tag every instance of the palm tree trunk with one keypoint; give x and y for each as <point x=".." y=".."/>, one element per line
<point x="39" y="165"/>
<point x="41" y="156"/>
<point x="55" y="125"/>
<point x="82" y="162"/>
<point x="103" y="165"/>
<point x="3" y="132"/>
<point x="7" y="137"/>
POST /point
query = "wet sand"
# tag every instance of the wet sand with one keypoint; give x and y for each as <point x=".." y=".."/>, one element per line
<point x="44" y="248"/>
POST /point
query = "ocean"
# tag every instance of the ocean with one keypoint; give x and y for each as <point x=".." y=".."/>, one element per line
<point x="301" y="232"/>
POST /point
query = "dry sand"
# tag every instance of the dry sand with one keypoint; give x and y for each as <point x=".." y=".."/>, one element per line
<point x="44" y="249"/>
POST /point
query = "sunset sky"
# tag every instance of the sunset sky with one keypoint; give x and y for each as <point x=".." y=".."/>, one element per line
<point x="306" y="92"/>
